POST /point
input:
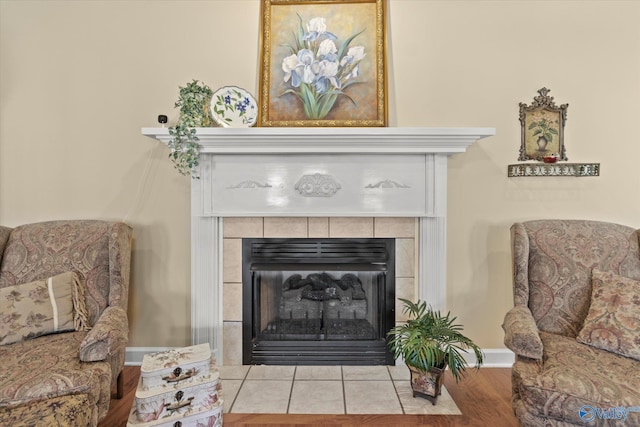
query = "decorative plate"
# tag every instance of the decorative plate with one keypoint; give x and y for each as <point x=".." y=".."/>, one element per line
<point x="234" y="107"/>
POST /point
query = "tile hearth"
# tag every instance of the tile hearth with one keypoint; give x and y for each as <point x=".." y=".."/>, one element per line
<point x="325" y="390"/>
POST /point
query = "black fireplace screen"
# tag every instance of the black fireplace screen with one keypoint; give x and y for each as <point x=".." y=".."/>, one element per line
<point x="317" y="301"/>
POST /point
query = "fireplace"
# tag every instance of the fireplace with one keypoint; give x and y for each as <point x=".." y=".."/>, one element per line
<point x="318" y="301"/>
<point x="281" y="173"/>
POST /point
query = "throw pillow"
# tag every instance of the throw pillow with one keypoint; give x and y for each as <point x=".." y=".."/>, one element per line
<point x="613" y="321"/>
<point x="42" y="307"/>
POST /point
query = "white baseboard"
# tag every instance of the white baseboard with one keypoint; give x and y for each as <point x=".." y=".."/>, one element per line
<point x="493" y="357"/>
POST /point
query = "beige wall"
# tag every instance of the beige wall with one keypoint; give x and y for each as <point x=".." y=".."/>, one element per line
<point x="78" y="79"/>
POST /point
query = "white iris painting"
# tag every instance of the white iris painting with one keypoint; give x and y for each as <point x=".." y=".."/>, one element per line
<point x="323" y="63"/>
<point x="317" y="70"/>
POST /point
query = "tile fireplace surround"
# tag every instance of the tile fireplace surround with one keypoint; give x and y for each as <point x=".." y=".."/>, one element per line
<point x="315" y="182"/>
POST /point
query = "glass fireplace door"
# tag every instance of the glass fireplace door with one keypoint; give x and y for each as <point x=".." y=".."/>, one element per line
<point x="317" y="301"/>
<point x="317" y="305"/>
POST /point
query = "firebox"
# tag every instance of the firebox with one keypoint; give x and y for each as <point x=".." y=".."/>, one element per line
<point x="318" y="301"/>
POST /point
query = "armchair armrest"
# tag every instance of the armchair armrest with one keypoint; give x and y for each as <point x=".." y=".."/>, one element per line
<point x="108" y="334"/>
<point x="521" y="333"/>
<point x="4" y="237"/>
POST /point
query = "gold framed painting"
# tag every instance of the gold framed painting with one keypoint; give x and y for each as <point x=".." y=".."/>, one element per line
<point x="323" y="63"/>
<point x="542" y="128"/>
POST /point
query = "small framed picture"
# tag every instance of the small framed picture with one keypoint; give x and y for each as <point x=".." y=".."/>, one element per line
<point x="323" y="63"/>
<point x="542" y="128"/>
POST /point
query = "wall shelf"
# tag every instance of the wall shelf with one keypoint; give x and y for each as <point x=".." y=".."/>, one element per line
<point x="553" y="169"/>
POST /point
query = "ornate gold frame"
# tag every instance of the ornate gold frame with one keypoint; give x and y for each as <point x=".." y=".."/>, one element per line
<point x="542" y="128"/>
<point x="363" y="97"/>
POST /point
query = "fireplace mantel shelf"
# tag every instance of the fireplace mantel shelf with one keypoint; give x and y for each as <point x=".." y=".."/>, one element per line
<point x="331" y="140"/>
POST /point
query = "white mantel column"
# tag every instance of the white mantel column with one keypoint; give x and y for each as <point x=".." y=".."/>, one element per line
<point x="432" y="242"/>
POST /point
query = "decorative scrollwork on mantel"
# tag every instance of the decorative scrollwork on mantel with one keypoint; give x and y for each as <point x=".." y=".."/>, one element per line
<point x="387" y="183"/>
<point x="317" y="185"/>
<point x="249" y="184"/>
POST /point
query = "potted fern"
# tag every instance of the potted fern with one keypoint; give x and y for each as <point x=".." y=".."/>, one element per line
<point x="429" y="343"/>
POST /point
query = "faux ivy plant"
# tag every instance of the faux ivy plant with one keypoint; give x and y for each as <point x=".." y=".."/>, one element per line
<point x="193" y="102"/>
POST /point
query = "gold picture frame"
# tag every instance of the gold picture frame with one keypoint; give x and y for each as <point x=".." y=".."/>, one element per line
<point x="322" y="63"/>
<point x="542" y="128"/>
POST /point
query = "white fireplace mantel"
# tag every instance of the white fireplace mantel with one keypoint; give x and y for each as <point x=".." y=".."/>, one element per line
<point x="323" y="172"/>
<point x="331" y="140"/>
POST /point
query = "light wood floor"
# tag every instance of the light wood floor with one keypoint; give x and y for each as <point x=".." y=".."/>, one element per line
<point x="484" y="397"/>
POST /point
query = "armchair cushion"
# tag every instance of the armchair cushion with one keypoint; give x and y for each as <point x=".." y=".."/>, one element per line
<point x="613" y="321"/>
<point x="106" y="337"/>
<point x="48" y="366"/>
<point x="573" y="375"/>
<point x="521" y="333"/>
<point x="33" y="309"/>
<point x="67" y="410"/>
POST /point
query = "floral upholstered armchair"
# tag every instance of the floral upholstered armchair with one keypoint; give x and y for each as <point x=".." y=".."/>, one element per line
<point x="63" y="320"/>
<point x="575" y="327"/>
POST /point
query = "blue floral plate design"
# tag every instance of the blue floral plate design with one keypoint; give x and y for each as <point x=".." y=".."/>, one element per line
<point x="234" y="107"/>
